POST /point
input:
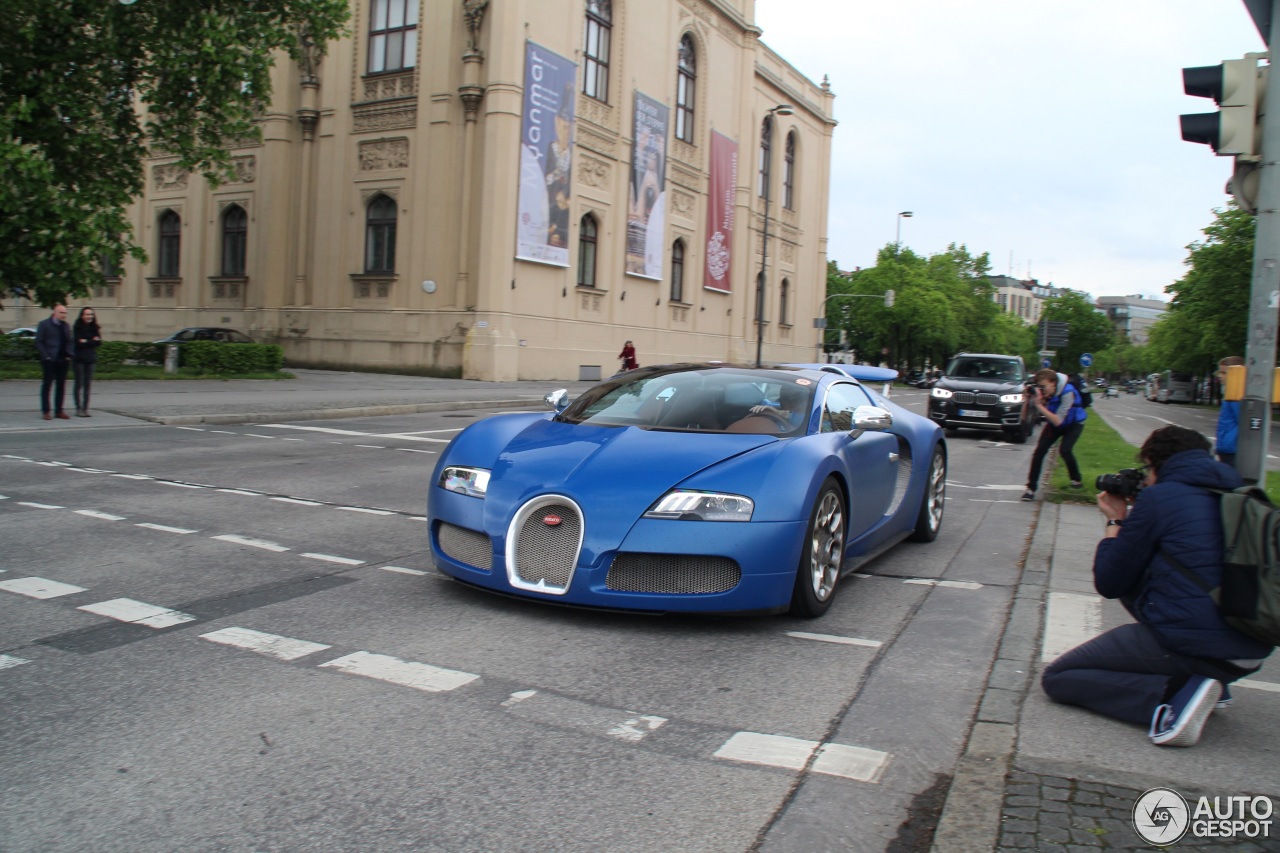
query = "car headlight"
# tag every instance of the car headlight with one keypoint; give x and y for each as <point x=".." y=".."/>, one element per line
<point x="473" y="482"/>
<point x="702" y="506"/>
<point x="1011" y="398"/>
<point x="939" y="393"/>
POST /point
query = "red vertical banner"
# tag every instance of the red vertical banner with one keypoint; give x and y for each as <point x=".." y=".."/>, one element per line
<point x="721" y="189"/>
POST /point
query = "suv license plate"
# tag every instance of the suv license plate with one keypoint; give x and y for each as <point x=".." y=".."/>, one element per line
<point x="972" y="413"/>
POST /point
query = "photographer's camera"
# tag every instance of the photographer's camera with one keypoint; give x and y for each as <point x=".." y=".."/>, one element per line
<point x="1126" y="482"/>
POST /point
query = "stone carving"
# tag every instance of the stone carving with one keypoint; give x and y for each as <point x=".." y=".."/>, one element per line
<point x="245" y="169"/>
<point x="384" y="118"/>
<point x="391" y="86"/>
<point x="168" y="177"/>
<point x="683" y="176"/>
<point x="597" y="142"/>
<point x="384" y="154"/>
<point x="473" y="15"/>
<point x="593" y="172"/>
<point x="788" y="253"/>
<point x="683" y="203"/>
<point x="309" y="55"/>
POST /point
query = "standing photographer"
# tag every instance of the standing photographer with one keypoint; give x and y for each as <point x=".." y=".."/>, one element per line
<point x="1059" y="401"/>
<point x="1170" y="668"/>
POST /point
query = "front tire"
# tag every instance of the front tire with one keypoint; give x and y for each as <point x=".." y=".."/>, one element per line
<point x="933" y="502"/>
<point x="822" y="554"/>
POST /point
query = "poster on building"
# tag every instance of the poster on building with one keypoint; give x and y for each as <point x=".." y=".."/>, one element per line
<point x="720" y="198"/>
<point x="646" y="194"/>
<point x="546" y="140"/>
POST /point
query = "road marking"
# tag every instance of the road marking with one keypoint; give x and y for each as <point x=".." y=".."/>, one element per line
<point x="39" y="506"/>
<point x="402" y="570"/>
<point x="329" y="558"/>
<point x="40" y="587"/>
<point x="252" y="543"/>
<point x="414" y="450"/>
<point x="179" y="485"/>
<point x="164" y="528"/>
<point x="329" y="430"/>
<point x="637" y="728"/>
<point x="133" y="476"/>
<point x="138" y="613"/>
<point x="834" y="759"/>
<point x="1257" y="685"/>
<point x="831" y="638"/>
<point x="995" y="488"/>
<point x="88" y="471"/>
<point x="240" y="492"/>
<point x="298" y="501"/>
<point x="950" y="584"/>
<point x="260" y="435"/>
<point x="105" y="516"/>
<point x="192" y="429"/>
<point x="271" y="645"/>
<point x="371" y="446"/>
<point x="419" y="676"/>
<point x="222" y="431"/>
<point x="1069" y="620"/>
<point x="9" y="661"/>
<point x="365" y="509"/>
<point x="518" y="697"/>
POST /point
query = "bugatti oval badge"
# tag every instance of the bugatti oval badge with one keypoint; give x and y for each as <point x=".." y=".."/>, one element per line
<point x="552" y="520"/>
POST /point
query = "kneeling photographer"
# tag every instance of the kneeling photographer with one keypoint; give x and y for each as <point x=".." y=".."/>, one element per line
<point x="1170" y="669"/>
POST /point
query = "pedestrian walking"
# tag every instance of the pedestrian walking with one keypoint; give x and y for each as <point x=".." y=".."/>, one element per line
<point x="56" y="347"/>
<point x="1059" y="401"/>
<point x="88" y="337"/>
<point x="628" y="356"/>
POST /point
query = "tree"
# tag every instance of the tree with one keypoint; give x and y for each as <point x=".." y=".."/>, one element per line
<point x="88" y="87"/>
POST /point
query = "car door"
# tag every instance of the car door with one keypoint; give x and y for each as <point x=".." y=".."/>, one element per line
<point x="870" y="460"/>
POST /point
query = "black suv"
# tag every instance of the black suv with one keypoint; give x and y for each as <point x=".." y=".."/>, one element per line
<point x="983" y="391"/>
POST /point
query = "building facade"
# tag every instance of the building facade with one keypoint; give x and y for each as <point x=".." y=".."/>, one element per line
<point x="1023" y="298"/>
<point x="1132" y="315"/>
<point x="507" y="190"/>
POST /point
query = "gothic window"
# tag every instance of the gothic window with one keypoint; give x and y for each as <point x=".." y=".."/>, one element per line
<point x="170" y="245"/>
<point x="380" y="235"/>
<point x="235" y="232"/>
<point x="587" y="251"/>
<point x="393" y="35"/>
<point x="789" y="173"/>
<point x="595" y="51"/>
<point x="677" y="271"/>
<point x="686" y="69"/>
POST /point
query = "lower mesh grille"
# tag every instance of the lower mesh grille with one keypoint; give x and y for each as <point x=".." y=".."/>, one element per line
<point x="672" y="573"/>
<point x="466" y="546"/>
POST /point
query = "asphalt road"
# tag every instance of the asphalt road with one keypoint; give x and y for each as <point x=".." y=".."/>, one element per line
<point x="306" y="681"/>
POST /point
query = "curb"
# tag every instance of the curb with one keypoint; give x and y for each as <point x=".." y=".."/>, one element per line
<point x="971" y="816"/>
<point x="324" y="414"/>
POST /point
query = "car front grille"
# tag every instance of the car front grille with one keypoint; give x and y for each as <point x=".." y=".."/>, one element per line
<point x="672" y="574"/>
<point x="466" y="546"/>
<point x="968" y="398"/>
<point x="545" y="550"/>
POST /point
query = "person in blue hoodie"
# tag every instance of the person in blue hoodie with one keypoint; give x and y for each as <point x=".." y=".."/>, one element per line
<point x="1059" y="402"/>
<point x="1169" y="669"/>
<point x="1228" y="433"/>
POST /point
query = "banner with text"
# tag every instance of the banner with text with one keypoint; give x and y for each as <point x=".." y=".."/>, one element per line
<point x="646" y="195"/>
<point x="546" y="141"/>
<point x="720" y="200"/>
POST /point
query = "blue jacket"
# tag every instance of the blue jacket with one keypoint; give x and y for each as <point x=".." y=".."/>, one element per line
<point x="1076" y="414"/>
<point x="53" y="339"/>
<point x="1176" y="515"/>
<point x="1228" y="427"/>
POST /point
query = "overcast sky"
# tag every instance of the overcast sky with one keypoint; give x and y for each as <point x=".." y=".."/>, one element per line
<point x="1040" y="131"/>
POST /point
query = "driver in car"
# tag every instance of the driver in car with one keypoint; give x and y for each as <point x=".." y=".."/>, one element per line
<point x="791" y="406"/>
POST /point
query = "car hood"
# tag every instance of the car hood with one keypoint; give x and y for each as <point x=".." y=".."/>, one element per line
<point x="614" y="473"/>
<point x="959" y="383"/>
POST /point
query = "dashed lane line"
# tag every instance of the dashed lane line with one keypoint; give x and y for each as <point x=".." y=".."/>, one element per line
<point x="104" y="516"/>
<point x="790" y="753"/>
<point x="40" y="587"/>
<point x="831" y="638"/>
<point x="164" y="528"/>
<point x="271" y="645"/>
<point x="236" y="539"/>
<point x="330" y="558"/>
<point x="419" y="676"/>
<point x="402" y="570"/>
<point x="138" y="613"/>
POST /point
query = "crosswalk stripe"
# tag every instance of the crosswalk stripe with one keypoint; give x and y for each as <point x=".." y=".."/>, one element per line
<point x="40" y="587"/>
<point x="271" y="645"/>
<point x="419" y="676"/>
<point x="138" y="613"/>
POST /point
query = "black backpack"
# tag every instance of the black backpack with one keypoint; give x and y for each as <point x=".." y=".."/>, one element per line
<point x="1249" y="597"/>
<point x="1086" y="397"/>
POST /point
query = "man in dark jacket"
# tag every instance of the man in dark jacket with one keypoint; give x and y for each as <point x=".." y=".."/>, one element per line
<point x="56" y="348"/>
<point x="1171" y="667"/>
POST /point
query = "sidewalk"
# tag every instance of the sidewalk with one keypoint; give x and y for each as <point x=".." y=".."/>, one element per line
<point x="1042" y="777"/>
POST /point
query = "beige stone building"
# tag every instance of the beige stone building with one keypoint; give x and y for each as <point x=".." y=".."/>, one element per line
<point x="379" y="222"/>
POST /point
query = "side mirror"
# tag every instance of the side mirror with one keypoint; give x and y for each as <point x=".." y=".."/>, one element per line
<point x="870" y="419"/>
<point x="557" y="400"/>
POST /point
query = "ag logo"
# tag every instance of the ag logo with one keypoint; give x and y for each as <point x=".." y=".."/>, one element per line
<point x="1161" y="816"/>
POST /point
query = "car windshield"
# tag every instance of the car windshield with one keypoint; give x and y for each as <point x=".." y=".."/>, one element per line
<point x="995" y="370"/>
<point x="720" y="400"/>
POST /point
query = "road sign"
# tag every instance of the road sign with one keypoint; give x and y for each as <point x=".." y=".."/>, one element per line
<point x="1086" y="359"/>
<point x="1046" y="362"/>
<point x="1047" y="353"/>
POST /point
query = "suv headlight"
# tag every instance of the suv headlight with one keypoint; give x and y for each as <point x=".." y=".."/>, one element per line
<point x="1011" y="398"/>
<point x="939" y="393"/>
<point x="682" y="505"/>
<point x="473" y="482"/>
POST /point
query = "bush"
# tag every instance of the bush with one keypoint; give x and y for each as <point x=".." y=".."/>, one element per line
<point x="211" y="357"/>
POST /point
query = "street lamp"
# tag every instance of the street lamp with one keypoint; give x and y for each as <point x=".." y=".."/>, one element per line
<point x="897" y="238"/>
<point x="782" y="110"/>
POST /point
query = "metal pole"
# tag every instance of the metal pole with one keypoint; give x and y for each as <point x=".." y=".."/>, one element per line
<point x="1260" y="347"/>
<point x="764" y="249"/>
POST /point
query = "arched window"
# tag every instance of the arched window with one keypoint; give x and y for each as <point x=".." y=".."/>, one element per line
<point x="235" y="232"/>
<point x="393" y="35"/>
<point x="380" y="235"/>
<point x="170" y="248"/>
<point x="789" y="173"/>
<point x="686" y="76"/>
<point x="784" y="295"/>
<point x="595" y="50"/>
<point x="587" y="251"/>
<point x="766" y="140"/>
<point x="677" y="271"/>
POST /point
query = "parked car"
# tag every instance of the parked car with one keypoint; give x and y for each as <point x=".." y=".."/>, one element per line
<point x="207" y="333"/>
<point x="688" y="487"/>
<point x="985" y="391"/>
<point x="25" y="332"/>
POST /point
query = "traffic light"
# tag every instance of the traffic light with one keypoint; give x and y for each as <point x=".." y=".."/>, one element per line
<point x="1236" y="86"/>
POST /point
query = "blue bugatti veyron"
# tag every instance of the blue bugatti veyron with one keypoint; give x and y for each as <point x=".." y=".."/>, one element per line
<point x="688" y="487"/>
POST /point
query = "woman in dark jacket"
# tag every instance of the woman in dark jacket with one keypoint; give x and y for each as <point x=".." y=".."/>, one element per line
<point x="88" y="338"/>
<point x="1171" y="667"/>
